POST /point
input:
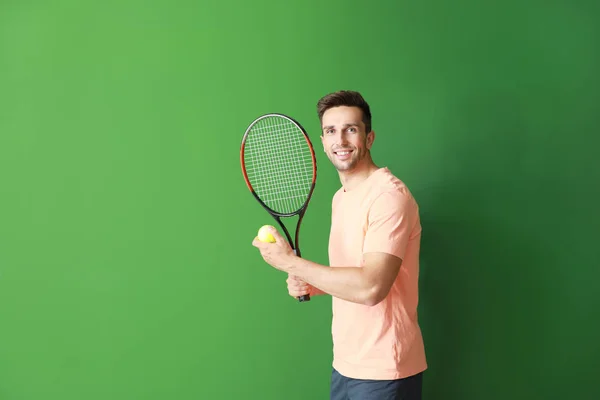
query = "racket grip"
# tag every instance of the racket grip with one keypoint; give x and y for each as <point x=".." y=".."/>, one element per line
<point x="304" y="298"/>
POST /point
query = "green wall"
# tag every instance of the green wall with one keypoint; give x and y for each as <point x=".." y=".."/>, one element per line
<point x="127" y="272"/>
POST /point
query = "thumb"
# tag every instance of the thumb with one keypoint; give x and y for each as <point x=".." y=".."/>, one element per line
<point x="276" y="234"/>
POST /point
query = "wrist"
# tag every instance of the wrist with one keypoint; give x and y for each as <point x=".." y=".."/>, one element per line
<point x="290" y="264"/>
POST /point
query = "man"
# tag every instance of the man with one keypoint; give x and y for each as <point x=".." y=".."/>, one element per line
<point x="374" y="264"/>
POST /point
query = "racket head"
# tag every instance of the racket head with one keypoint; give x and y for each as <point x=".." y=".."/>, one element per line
<point x="279" y="164"/>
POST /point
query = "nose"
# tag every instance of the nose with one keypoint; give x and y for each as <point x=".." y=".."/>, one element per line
<point x="341" y="139"/>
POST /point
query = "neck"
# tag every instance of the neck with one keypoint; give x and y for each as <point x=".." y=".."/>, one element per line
<point x="353" y="178"/>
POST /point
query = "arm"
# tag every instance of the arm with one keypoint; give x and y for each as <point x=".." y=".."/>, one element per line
<point x="367" y="285"/>
<point x="392" y="220"/>
<point x="393" y="217"/>
<point x="315" y="291"/>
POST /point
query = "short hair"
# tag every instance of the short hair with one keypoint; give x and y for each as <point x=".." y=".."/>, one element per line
<point x="347" y="98"/>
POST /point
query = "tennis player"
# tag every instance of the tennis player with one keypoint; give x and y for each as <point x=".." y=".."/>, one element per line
<point x="372" y="277"/>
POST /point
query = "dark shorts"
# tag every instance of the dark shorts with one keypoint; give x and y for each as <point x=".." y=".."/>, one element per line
<point x="343" y="388"/>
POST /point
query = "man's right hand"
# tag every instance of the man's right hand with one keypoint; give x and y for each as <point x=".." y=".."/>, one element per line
<point x="297" y="287"/>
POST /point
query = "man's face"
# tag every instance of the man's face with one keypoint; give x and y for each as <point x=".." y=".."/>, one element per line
<point x="344" y="138"/>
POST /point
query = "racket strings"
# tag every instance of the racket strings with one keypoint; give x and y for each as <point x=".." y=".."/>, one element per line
<point x="279" y="164"/>
<point x="285" y="169"/>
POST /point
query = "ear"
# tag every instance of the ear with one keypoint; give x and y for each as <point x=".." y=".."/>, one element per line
<point x="370" y="139"/>
<point x="323" y="142"/>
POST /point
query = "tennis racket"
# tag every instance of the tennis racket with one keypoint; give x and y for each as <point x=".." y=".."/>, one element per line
<point x="280" y="169"/>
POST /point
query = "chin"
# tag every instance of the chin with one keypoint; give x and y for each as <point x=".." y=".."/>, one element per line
<point x="345" y="167"/>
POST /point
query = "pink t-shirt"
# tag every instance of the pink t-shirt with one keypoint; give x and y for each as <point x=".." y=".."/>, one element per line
<point x="382" y="341"/>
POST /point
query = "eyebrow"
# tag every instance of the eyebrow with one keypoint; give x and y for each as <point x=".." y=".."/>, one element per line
<point x="344" y="126"/>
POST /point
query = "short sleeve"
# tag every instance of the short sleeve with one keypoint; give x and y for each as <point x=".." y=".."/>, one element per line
<point x="391" y="220"/>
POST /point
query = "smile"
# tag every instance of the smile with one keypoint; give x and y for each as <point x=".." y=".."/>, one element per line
<point x="343" y="154"/>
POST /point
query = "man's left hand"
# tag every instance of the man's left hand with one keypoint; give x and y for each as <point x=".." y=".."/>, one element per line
<point x="279" y="254"/>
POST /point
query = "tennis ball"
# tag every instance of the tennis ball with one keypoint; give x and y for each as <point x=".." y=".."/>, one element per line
<point x="264" y="235"/>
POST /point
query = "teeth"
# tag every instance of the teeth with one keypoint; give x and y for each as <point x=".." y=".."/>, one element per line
<point x="343" y="153"/>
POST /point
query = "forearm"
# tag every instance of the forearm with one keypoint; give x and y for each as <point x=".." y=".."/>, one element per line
<point x="315" y="291"/>
<point x="348" y="283"/>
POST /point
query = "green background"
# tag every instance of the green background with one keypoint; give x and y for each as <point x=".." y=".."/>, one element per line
<point x="126" y="265"/>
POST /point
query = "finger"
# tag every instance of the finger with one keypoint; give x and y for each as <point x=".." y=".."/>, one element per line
<point x="259" y="243"/>
<point x="294" y="282"/>
<point x="295" y="278"/>
<point x="298" y="286"/>
<point x="298" y="293"/>
<point x="276" y="235"/>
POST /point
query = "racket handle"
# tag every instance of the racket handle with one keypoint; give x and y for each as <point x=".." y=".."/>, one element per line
<point x="304" y="298"/>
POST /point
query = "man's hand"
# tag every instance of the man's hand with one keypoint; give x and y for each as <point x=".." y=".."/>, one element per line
<point x="297" y="287"/>
<point x="279" y="254"/>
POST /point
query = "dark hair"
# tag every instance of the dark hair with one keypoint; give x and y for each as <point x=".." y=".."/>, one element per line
<point x="345" y="98"/>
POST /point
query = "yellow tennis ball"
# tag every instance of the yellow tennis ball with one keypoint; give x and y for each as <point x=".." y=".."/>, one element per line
<point x="264" y="235"/>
